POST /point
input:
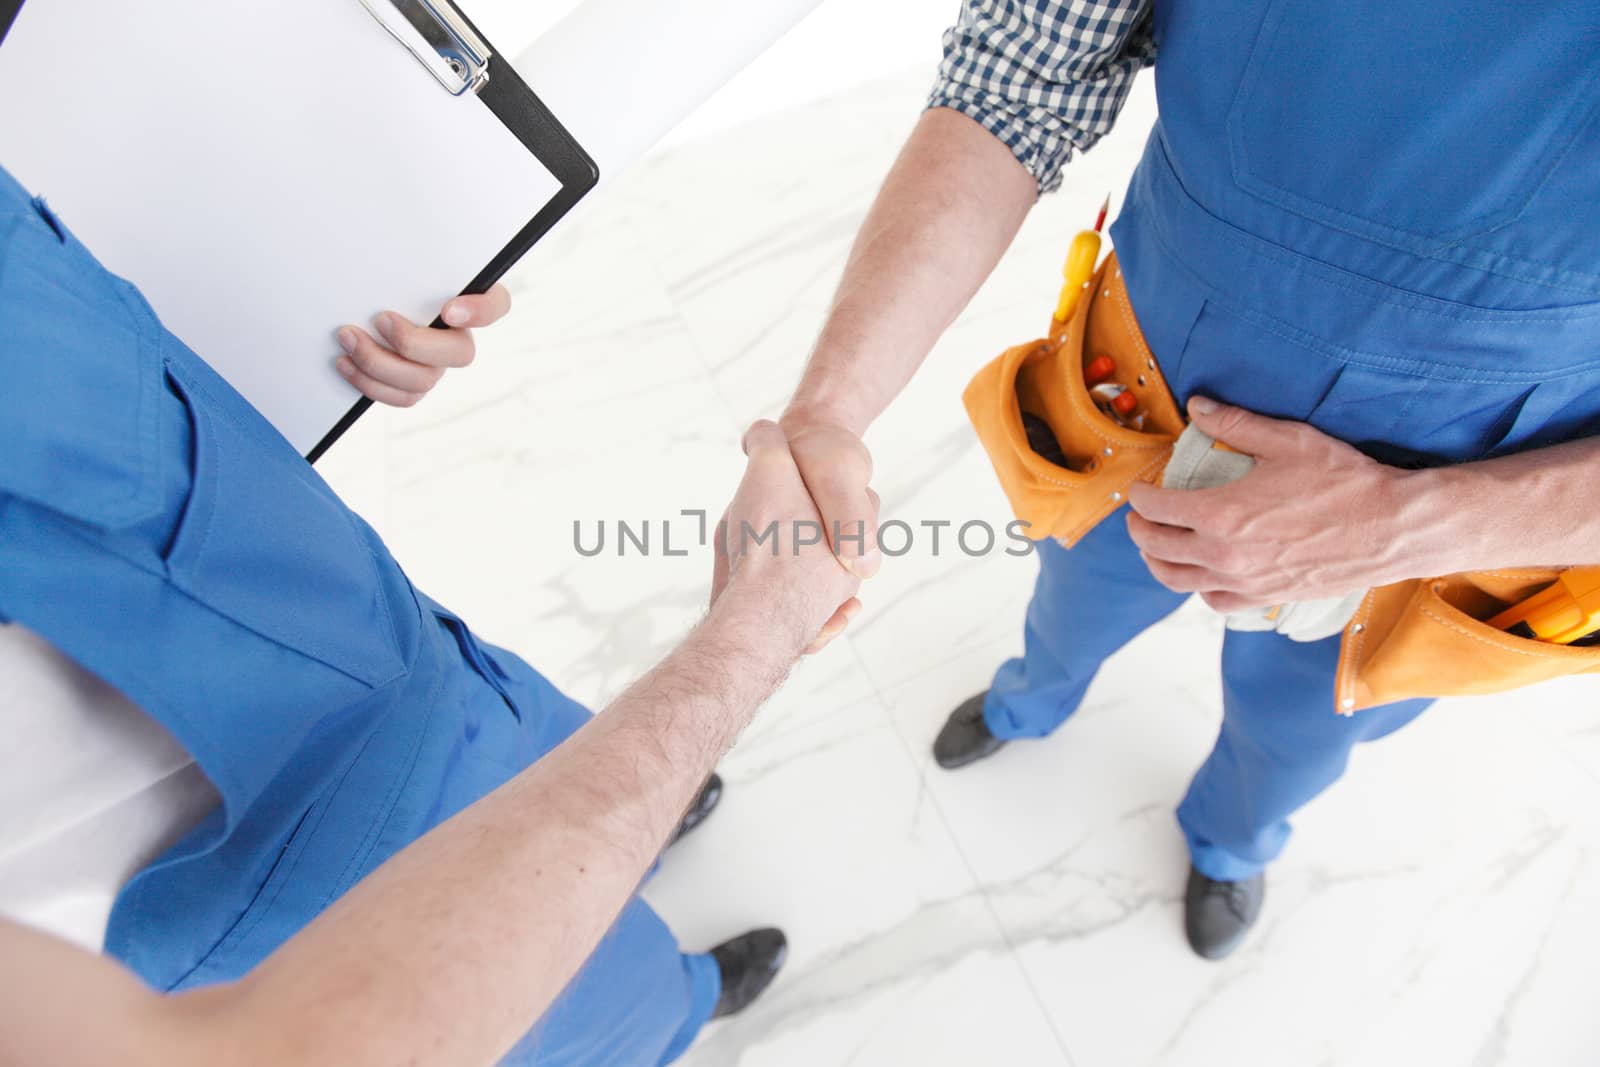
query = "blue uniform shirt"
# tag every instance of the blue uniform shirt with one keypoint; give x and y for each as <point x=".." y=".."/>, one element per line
<point x="160" y="532"/>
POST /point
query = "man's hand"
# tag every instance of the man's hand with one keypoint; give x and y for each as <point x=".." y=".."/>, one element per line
<point x="1314" y="518"/>
<point x="419" y="963"/>
<point x="405" y="360"/>
<point x="771" y="543"/>
<point x="837" y="470"/>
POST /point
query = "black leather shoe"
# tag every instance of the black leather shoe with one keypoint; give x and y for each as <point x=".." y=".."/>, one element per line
<point x="965" y="738"/>
<point x="1217" y="915"/>
<point x="700" y="809"/>
<point x="748" y="964"/>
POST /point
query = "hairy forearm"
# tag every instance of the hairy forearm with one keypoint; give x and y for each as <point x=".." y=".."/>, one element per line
<point x="1538" y="508"/>
<point x="945" y="214"/>
<point x="489" y="916"/>
<point x="452" y="949"/>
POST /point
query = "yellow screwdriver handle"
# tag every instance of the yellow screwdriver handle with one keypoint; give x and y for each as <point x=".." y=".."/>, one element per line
<point x="1082" y="255"/>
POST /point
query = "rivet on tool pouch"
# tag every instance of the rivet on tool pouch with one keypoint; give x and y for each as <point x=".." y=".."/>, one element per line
<point x="1099" y="458"/>
<point x="1425" y="637"/>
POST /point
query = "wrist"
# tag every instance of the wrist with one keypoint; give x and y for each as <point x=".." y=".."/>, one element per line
<point x="825" y="406"/>
<point x="731" y="663"/>
<point x="768" y="623"/>
<point x="796" y="420"/>
<point x="1437" y="523"/>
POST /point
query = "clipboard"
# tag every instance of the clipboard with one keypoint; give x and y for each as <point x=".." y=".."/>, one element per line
<point x="266" y="173"/>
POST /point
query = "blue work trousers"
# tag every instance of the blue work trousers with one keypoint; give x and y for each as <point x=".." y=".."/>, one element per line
<point x="1281" y="742"/>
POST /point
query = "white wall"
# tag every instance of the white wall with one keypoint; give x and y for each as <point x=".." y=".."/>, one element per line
<point x="842" y="44"/>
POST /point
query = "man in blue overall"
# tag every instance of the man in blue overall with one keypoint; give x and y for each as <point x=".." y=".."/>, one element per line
<point x="1364" y="245"/>
<point x="157" y="531"/>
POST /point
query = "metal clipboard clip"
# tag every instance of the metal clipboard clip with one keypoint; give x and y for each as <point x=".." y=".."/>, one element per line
<point x="440" y="38"/>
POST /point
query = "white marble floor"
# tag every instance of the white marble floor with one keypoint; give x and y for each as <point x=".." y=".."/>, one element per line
<point x="1442" y="907"/>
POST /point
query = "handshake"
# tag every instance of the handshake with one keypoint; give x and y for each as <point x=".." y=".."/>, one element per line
<point x="801" y="532"/>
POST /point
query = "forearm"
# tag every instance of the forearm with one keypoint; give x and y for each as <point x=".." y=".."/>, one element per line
<point x="947" y="211"/>
<point x="1538" y="508"/>
<point x="452" y="949"/>
<point x="488" y="917"/>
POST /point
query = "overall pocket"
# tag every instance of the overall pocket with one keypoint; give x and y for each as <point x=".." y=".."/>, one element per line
<point x="1397" y="409"/>
<point x="266" y="543"/>
<point x="80" y="404"/>
<point x="478" y="657"/>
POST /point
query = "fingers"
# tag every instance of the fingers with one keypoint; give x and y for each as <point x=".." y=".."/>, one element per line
<point x="834" y="626"/>
<point x="404" y="361"/>
<point x="765" y="439"/>
<point x="837" y="470"/>
<point x="360" y="347"/>
<point x="1180" y="577"/>
<point x="871" y="559"/>
<point x="850" y="514"/>
<point x="474" y="310"/>
<point x="770" y="501"/>
<point x="719" y="559"/>
<point x="379" y="372"/>
<point x="424" y="344"/>
<point x="1186" y="508"/>
<point x="773" y="501"/>
<point x="1171" y="543"/>
<point x="1227" y="603"/>
<point x="1255" y="435"/>
<point x="375" y="390"/>
<point x="1184" y="578"/>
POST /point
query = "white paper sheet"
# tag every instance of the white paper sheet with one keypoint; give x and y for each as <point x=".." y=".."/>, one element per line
<point x="264" y="173"/>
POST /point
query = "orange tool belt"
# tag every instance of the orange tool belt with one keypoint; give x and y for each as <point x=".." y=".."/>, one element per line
<point x="1045" y="378"/>
<point x="1425" y="637"/>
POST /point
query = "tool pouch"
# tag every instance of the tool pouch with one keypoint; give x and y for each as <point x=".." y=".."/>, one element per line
<point x="1044" y="378"/>
<point x="1426" y="638"/>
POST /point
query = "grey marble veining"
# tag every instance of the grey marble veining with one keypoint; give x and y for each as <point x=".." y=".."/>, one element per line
<point x="1438" y="908"/>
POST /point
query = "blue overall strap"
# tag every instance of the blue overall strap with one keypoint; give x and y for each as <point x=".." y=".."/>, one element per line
<point x="1378" y="217"/>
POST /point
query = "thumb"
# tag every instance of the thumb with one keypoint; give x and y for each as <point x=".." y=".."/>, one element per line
<point x="1244" y="431"/>
<point x="764" y="436"/>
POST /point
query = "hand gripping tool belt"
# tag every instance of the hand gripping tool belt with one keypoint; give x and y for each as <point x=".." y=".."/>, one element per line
<point x="1423" y="637"/>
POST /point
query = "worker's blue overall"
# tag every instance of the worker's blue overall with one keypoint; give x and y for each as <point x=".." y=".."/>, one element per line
<point x="162" y="534"/>
<point x="1380" y="217"/>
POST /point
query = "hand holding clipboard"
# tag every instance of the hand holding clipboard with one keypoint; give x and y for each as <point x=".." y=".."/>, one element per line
<point x="265" y="173"/>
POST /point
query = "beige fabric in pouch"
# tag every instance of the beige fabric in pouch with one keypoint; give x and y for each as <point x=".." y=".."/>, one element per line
<point x="1197" y="463"/>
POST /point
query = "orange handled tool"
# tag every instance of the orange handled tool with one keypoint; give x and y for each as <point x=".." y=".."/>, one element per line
<point x="1099" y="369"/>
<point x="1560" y="613"/>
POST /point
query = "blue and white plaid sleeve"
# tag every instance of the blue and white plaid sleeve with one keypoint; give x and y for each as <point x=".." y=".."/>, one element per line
<point x="1044" y="76"/>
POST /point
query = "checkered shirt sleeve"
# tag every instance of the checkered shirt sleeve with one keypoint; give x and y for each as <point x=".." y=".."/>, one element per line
<point x="1044" y="76"/>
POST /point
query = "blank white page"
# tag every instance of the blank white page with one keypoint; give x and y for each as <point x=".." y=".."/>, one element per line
<point x="264" y="172"/>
